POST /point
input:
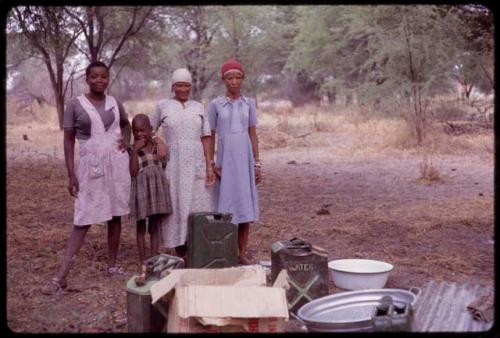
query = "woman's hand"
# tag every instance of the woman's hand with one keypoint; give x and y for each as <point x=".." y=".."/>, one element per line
<point x="161" y="148"/>
<point x="217" y="170"/>
<point x="258" y="175"/>
<point x="210" y="179"/>
<point x="122" y="145"/>
<point x="73" y="186"/>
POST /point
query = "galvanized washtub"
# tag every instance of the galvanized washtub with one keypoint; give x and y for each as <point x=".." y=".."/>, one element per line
<point x="350" y="311"/>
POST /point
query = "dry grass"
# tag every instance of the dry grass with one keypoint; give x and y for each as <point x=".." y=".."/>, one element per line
<point x="140" y="107"/>
<point x="354" y="130"/>
<point x="428" y="171"/>
<point x="348" y="130"/>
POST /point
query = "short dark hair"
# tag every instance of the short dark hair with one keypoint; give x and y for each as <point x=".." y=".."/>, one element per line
<point x="142" y="118"/>
<point x="95" y="64"/>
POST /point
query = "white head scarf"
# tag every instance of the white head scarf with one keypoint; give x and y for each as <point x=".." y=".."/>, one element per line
<point x="181" y="75"/>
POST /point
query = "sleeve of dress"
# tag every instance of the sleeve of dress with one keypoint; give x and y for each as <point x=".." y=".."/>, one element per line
<point x="252" y="116"/>
<point x="205" y="128"/>
<point x="69" y="116"/>
<point x="212" y="115"/>
<point x="155" y="118"/>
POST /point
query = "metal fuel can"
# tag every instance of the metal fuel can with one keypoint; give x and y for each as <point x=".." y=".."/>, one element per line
<point x="142" y="316"/>
<point x="212" y="241"/>
<point x="307" y="268"/>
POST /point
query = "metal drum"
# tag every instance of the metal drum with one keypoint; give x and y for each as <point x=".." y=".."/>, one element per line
<point x="350" y="311"/>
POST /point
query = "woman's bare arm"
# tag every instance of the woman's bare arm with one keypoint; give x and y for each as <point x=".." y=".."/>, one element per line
<point x="69" y="157"/>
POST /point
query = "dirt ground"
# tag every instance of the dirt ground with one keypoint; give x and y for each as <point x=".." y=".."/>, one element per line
<point x="378" y="209"/>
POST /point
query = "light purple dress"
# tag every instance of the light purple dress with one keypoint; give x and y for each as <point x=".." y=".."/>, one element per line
<point x="237" y="192"/>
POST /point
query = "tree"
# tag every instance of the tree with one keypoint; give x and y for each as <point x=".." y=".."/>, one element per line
<point x="415" y="50"/>
<point x="330" y="48"/>
<point x="269" y="53"/>
<point x="60" y="34"/>
<point x="52" y="35"/>
<point x="189" y="42"/>
<point x="474" y="36"/>
<point x="243" y="31"/>
<point x="108" y="31"/>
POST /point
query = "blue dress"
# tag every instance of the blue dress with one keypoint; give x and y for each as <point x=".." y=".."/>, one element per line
<point x="237" y="192"/>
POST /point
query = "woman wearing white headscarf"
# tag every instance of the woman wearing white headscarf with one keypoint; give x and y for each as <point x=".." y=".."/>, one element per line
<point x="184" y="125"/>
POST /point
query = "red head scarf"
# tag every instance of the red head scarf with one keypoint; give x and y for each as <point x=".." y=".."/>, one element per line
<point x="232" y="64"/>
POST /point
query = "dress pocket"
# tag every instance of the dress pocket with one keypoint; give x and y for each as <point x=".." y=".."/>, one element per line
<point x="96" y="167"/>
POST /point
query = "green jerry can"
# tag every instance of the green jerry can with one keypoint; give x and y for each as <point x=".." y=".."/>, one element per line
<point x="142" y="316"/>
<point x="307" y="268"/>
<point x="212" y="241"/>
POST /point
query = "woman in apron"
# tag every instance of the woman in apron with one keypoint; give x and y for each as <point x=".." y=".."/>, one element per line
<point x="101" y="184"/>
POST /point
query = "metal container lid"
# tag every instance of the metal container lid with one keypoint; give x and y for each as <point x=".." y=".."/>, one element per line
<point x="144" y="290"/>
<point x="350" y="311"/>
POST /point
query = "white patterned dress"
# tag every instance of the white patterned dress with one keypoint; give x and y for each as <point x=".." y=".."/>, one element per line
<point x="103" y="172"/>
<point x="182" y="126"/>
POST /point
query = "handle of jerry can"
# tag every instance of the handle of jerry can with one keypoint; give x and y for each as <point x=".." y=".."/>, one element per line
<point x="226" y="217"/>
<point x="416" y="291"/>
<point x="298" y="243"/>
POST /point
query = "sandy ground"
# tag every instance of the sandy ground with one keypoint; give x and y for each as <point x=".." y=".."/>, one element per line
<point x="378" y="209"/>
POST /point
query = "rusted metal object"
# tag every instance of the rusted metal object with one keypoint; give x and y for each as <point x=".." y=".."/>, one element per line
<point x="307" y="268"/>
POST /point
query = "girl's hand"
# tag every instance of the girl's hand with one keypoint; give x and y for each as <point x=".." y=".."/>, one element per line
<point x="258" y="175"/>
<point x="139" y="144"/>
<point x="73" y="186"/>
<point x="210" y="179"/>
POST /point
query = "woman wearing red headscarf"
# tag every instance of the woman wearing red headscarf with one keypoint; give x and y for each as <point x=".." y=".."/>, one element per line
<point x="233" y="121"/>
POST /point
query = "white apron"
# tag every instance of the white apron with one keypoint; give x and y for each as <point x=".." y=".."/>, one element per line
<point x="103" y="171"/>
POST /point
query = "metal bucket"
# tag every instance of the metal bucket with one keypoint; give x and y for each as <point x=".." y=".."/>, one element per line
<point x="350" y="311"/>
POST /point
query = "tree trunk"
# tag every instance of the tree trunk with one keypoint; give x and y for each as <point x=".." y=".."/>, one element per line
<point x="420" y="133"/>
<point x="348" y="99"/>
<point x="60" y="110"/>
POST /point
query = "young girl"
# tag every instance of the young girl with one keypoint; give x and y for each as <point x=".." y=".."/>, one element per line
<point x="150" y="191"/>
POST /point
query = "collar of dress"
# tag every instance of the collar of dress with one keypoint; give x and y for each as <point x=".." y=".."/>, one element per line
<point x="184" y="104"/>
<point x="223" y="100"/>
<point x="108" y="102"/>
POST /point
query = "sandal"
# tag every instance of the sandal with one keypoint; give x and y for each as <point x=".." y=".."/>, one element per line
<point x="55" y="285"/>
<point x="116" y="270"/>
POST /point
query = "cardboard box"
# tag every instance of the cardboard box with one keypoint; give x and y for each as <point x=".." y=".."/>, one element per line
<point x="223" y="300"/>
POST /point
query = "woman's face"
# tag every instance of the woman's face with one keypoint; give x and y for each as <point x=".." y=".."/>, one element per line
<point x="233" y="80"/>
<point x="182" y="90"/>
<point x="98" y="79"/>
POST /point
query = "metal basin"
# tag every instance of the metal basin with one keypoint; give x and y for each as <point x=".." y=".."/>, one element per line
<point x="350" y="311"/>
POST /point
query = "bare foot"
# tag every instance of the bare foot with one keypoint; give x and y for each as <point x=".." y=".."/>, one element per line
<point x="244" y="260"/>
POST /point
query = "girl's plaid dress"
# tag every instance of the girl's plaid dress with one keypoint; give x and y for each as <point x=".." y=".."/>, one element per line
<point x="150" y="190"/>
